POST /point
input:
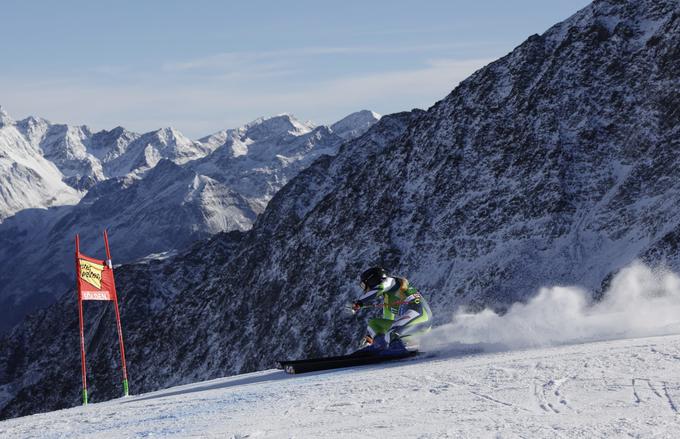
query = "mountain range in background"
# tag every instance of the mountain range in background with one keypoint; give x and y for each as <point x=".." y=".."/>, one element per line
<point x="556" y="164"/>
<point x="155" y="192"/>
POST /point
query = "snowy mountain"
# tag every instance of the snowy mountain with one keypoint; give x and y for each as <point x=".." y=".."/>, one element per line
<point x="27" y="178"/>
<point x="83" y="158"/>
<point x="155" y="192"/>
<point x="624" y="388"/>
<point x="65" y="161"/>
<point x="555" y="165"/>
<point x="355" y="124"/>
<point x="259" y="158"/>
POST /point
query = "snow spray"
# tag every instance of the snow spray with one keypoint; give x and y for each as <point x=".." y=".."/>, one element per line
<point x="640" y="302"/>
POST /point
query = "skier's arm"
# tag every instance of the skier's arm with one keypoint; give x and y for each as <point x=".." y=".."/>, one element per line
<point x="368" y="294"/>
<point x="359" y="303"/>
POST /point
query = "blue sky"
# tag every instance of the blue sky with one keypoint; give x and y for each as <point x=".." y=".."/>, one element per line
<point x="202" y="66"/>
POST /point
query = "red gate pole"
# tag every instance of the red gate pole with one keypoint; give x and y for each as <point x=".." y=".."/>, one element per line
<point x="118" y="325"/>
<point x="80" y="316"/>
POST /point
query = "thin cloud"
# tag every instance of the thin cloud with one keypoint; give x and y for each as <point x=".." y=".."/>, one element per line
<point x="235" y="60"/>
<point x="439" y="76"/>
<point x="200" y="107"/>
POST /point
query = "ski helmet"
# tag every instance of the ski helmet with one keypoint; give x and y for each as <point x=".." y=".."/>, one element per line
<point x="372" y="277"/>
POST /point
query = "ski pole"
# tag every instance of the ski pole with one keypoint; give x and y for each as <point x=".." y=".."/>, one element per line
<point x="351" y="307"/>
<point x="383" y="305"/>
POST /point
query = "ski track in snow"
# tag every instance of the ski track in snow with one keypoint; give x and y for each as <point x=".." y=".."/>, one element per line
<point x="623" y="388"/>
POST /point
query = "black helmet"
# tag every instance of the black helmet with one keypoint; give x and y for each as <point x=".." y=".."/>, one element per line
<point x="372" y="277"/>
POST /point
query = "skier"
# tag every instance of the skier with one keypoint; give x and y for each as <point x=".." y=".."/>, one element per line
<point x="405" y="312"/>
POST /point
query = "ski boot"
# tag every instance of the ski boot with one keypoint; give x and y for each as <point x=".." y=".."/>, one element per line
<point x="396" y="346"/>
<point x="372" y="345"/>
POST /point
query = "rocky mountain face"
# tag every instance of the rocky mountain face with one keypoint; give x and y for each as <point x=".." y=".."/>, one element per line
<point x="156" y="192"/>
<point x="556" y="164"/>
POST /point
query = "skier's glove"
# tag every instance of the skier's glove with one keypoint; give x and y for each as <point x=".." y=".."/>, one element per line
<point x="354" y="307"/>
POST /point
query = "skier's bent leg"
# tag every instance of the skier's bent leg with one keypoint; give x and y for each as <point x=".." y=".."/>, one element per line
<point x="377" y="328"/>
<point x="411" y="324"/>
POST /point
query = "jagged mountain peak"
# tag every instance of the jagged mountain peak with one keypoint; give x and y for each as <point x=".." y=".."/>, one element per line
<point x="275" y="126"/>
<point x="168" y="135"/>
<point x="146" y="151"/>
<point x="105" y="138"/>
<point x="5" y="118"/>
<point x="33" y="120"/>
<point x="284" y="134"/>
<point x="33" y="128"/>
<point x="355" y="124"/>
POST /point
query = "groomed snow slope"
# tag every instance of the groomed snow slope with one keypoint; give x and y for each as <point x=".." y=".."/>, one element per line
<point x="623" y="388"/>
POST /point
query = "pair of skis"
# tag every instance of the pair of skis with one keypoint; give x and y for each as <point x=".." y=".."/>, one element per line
<point x="359" y="358"/>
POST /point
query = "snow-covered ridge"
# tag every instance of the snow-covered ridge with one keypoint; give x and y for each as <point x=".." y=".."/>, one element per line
<point x="85" y="158"/>
<point x="5" y="118"/>
<point x="28" y="178"/>
<point x="355" y="124"/>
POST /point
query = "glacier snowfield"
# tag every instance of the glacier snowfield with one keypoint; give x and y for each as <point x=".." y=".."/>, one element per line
<point x="621" y="388"/>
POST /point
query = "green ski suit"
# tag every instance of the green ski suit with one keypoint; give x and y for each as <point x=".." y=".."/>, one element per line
<point x="405" y="311"/>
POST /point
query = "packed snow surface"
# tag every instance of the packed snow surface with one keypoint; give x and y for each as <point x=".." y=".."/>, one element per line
<point x="616" y="388"/>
